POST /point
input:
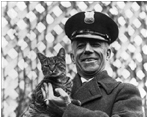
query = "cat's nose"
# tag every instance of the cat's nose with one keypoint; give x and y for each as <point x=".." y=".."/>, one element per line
<point x="52" y="67"/>
<point x="53" y="71"/>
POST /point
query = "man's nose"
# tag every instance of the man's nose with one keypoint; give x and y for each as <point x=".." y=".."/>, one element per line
<point x="88" y="48"/>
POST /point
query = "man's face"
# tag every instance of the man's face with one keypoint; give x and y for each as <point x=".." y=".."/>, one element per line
<point x="89" y="55"/>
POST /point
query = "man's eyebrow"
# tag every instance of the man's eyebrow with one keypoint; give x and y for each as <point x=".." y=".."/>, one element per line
<point x="81" y="41"/>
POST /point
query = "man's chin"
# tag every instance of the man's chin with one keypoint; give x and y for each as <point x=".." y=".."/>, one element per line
<point x="89" y="71"/>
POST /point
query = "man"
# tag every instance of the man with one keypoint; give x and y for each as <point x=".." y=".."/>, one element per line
<point x="91" y="34"/>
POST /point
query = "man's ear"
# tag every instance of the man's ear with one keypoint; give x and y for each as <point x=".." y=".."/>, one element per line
<point x="108" y="53"/>
<point x="72" y="57"/>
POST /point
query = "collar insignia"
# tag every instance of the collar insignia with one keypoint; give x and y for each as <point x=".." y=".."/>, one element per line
<point x="89" y="17"/>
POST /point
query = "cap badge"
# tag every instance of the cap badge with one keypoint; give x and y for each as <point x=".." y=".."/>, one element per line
<point x="89" y="17"/>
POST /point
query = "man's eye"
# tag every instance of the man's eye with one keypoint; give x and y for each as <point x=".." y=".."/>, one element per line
<point x="95" y="44"/>
<point x="81" y="45"/>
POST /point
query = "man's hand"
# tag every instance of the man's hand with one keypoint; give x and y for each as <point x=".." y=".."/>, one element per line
<point x="62" y="101"/>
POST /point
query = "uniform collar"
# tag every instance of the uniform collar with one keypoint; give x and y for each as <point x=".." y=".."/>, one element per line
<point x="102" y="78"/>
<point x="107" y="82"/>
<point x="83" y="80"/>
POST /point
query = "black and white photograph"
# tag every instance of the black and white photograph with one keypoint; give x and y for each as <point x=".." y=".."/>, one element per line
<point x="74" y="58"/>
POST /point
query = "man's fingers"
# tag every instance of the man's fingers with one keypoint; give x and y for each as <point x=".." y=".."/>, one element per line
<point x="43" y="92"/>
<point x="50" y="91"/>
<point x="47" y="92"/>
<point x="46" y="87"/>
<point x="48" y="95"/>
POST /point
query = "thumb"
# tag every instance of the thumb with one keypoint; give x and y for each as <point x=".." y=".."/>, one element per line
<point x="61" y="92"/>
<point x="64" y="96"/>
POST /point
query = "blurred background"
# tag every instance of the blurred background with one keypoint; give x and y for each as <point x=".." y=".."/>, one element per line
<point x="31" y="27"/>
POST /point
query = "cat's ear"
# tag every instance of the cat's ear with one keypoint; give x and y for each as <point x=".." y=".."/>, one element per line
<point x="41" y="57"/>
<point x="62" y="52"/>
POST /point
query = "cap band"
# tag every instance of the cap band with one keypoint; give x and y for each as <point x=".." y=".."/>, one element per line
<point x="90" y="34"/>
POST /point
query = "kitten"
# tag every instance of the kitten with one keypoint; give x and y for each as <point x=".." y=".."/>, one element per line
<point x="54" y="70"/>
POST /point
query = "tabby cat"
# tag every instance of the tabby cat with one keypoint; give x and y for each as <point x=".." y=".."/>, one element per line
<point x="54" y="70"/>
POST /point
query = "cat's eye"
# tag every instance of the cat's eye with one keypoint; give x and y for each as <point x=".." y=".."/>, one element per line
<point x="59" y="64"/>
<point x="46" y="66"/>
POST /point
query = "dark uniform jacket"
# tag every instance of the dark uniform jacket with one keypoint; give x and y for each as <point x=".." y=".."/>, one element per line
<point x="103" y="97"/>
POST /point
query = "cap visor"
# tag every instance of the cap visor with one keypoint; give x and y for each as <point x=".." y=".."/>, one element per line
<point x="90" y="36"/>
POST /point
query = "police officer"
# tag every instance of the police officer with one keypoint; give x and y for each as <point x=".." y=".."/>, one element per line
<point x="91" y="34"/>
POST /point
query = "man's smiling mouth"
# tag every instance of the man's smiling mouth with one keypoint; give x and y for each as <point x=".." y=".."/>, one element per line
<point x="89" y="60"/>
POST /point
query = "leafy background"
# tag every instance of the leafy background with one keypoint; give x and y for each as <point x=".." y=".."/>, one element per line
<point x="31" y="27"/>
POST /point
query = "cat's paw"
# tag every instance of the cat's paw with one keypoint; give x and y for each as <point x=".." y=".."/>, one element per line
<point x="76" y="102"/>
